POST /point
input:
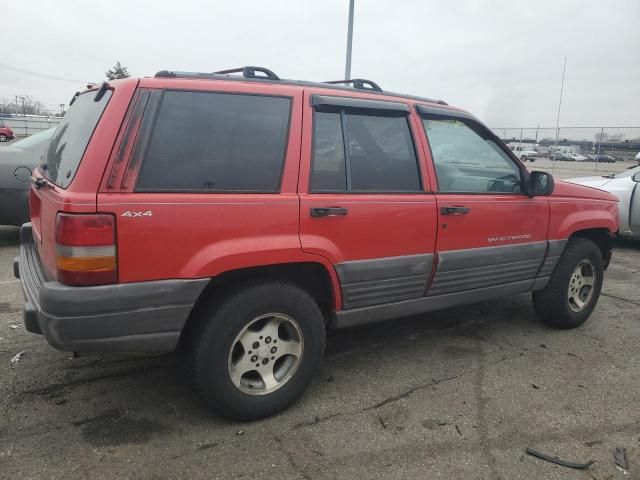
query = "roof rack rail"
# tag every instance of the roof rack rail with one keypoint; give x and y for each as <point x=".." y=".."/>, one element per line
<point x="250" y="72"/>
<point x="359" y="83"/>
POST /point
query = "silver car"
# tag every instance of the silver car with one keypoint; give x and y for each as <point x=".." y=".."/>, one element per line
<point x="16" y="162"/>
<point x="626" y="186"/>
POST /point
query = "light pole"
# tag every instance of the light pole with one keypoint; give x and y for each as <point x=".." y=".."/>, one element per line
<point x="564" y="69"/>
<point x="347" y="68"/>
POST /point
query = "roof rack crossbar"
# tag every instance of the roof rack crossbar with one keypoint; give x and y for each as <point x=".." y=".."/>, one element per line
<point x="359" y="83"/>
<point x="250" y="72"/>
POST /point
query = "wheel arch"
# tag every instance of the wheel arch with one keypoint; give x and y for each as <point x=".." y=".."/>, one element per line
<point x="313" y="277"/>
<point x="602" y="237"/>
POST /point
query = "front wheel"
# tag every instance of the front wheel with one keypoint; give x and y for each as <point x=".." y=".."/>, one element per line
<point x="574" y="287"/>
<point x="256" y="351"/>
<point x="3" y="138"/>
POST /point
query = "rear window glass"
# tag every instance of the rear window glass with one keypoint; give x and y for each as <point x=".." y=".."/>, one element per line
<point x="216" y="142"/>
<point x="71" y="138"/>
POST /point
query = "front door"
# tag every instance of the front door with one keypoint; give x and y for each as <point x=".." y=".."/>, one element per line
<point x="490" y="234"/>
<point x="363" y="199"/>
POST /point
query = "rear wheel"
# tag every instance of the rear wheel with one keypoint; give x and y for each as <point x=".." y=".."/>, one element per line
<point x="524" y="158"/>
<point x="574" y="287"/>
<point x="3" y="138"/>
<point x="255" y="352"/>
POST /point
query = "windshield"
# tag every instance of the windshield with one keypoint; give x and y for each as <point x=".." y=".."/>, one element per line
<point x="35" y="138"/>
<point x="72" y="137"/>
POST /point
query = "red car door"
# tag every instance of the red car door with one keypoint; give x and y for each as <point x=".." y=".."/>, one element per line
<point x="490" y="234"/>
<point x="364" y="200"/>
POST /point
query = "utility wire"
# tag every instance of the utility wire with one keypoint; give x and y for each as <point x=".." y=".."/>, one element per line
<point x="43" y="75"/>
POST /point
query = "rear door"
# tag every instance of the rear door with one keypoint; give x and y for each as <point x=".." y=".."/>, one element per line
<point x="489" y="232"/>
<point x="364" y="203"/>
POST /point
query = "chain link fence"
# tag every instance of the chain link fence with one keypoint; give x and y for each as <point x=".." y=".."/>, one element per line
<point x="595" y="143"/>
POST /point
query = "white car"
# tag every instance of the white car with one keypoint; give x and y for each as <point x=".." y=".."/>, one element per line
<point x="577" y="157"/>
<point x="523" y="154"/>
<point x="626" y="186"/>
<point x="638" y="158"/>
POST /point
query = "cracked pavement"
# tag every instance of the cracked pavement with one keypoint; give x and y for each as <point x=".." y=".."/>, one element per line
<point x="458" y="393"/>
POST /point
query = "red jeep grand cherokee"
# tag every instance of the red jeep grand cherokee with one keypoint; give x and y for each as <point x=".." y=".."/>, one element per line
<point x="241" y="215"/>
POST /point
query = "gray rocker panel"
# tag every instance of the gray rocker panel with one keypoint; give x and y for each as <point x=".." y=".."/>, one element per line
<point x="473" y="268"/>
<point x="383" y="280"/>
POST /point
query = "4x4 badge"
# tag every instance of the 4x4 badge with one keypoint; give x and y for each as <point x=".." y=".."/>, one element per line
<point x="129" y="213"/>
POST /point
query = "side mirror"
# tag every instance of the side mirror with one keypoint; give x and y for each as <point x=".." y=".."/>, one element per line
<point x="540" y="183"/>
<point x="636" y="177"/>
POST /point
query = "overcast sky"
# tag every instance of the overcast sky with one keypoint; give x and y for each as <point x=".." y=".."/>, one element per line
<point x="502" y="60"/>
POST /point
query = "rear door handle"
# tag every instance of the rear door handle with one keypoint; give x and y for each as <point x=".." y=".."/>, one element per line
<point x="454" y="210"/>
<point x="328" y="211"/>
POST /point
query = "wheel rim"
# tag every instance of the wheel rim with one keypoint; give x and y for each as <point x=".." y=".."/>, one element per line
<point x="265" y="354"/>
<point x="3" y="138"/>
<point x="581" y="285"/>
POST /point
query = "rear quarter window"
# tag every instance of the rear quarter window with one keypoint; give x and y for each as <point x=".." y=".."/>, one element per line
<point x="71" y="137"/>
<point x="216" y="142"/>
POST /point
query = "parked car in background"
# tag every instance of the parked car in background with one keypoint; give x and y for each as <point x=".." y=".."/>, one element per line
<point x="16" y="163"/>
<point x="602" y="158"/>
<point x="626" y="186"/>
<point x="6" y="134"/>
<point x="561" y="156"/>
<point x="576" y="157"/>
<point x="241" y="216"/>
<point x="523" y="153"/>
<point x="638" y="158"/>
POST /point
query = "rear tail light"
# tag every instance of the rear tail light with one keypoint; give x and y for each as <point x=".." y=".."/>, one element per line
<point x="86" y="249"/>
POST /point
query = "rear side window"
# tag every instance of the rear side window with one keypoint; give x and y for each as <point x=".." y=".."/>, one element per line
<point x="216" y="142"/>
<point x="72" y="136"/>
<point x="378" y="155"/>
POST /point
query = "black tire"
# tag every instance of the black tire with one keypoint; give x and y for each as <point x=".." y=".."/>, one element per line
<point x="552" y="304"/>
<point x="3" y="138"/>
<point x="219" y="324"/>
<point x="524" y="158"/>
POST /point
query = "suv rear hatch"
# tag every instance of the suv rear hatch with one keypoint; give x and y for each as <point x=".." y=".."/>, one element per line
<point x="64" y="189"/>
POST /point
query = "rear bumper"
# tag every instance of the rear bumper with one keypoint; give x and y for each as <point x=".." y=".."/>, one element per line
<point x="126" y="317"/>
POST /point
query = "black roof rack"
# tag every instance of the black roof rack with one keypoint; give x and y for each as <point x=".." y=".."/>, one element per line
<point x="249" y="74"/>
<point x="359" y="83"/>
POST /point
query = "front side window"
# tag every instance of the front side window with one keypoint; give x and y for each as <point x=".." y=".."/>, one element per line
<point x="216" y="142"/>
<point x="377" y="155"/>
<point x="468" y="160"/>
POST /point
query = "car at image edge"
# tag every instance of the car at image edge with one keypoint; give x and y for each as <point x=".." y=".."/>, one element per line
<point x="16" y="163"/>
<point x="626" y="186"/>
<point x="240" y="216"/>
<point x="6" y="134"/>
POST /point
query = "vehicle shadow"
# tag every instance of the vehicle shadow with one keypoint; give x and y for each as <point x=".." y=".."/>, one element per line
<point x="9" y="236"/>
<point x="158" y="387"/>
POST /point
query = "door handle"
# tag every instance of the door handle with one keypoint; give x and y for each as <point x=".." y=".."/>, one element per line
<point x="454" y="210"/>
<point x="328" y="211"/>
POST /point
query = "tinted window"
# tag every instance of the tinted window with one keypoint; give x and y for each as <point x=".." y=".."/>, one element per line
<point x="216" y="142"/>
<point x="71" y="137"/>
<point x="379" y="152"/>
<point x="328" y="154"/>
<point x="469" y="160"/>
